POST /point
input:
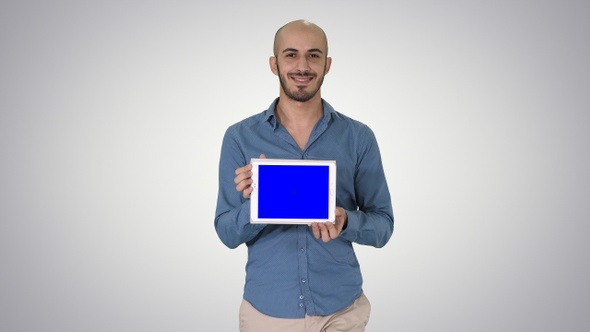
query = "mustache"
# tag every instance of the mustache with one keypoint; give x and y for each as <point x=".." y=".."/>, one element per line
<point x="302" y="73"/>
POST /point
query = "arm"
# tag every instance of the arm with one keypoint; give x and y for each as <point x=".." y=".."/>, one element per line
<point x="232" y="216"/>
<point x="372" y="223"/>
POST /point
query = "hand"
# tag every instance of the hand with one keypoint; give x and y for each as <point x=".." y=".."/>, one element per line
<point x="327" y="230"/>
<point x="243" y="179"/>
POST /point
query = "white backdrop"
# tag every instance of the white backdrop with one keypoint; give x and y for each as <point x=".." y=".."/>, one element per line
<point x="111" y="119"/>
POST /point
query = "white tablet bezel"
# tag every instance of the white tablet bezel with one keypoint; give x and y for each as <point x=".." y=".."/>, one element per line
<point x="256" y="162"/>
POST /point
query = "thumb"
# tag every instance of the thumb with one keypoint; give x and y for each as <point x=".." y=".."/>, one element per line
<point x="262" y="156"/>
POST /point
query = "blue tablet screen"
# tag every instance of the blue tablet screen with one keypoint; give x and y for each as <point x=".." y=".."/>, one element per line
<point x="289" y="191"/>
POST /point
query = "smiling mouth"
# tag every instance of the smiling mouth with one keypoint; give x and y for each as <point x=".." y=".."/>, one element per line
<point x="302" y="79"/>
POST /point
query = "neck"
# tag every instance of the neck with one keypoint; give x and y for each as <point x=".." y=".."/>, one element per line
<point x="295" y="113"/>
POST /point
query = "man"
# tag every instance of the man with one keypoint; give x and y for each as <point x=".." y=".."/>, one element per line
<point x="304" y="277"/>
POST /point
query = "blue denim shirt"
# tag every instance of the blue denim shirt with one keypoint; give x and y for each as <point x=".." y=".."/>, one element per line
<point x="289" y="272"/>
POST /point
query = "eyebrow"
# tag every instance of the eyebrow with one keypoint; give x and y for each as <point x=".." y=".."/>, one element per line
<point x="309" y="51"/>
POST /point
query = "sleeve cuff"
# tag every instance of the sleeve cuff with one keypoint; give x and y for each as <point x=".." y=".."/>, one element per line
<point x="352" y="226"/>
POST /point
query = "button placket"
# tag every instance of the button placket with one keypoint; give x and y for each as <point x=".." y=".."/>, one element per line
<point x="303" y="269"/>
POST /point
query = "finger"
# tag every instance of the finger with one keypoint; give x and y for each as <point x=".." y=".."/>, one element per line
<point x="247" y="192"/>
<point x="324" y="232"/>
<point x="315" y="230"/>
<point x="242" y="176"/>
<point x="243" y="169"/>
<point x="262" y="156"/>
<point x="243" y="185"/>
<point x="332" y="230"/>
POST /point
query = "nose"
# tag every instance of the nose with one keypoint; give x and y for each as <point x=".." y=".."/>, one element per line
<point x="302" y="64"/>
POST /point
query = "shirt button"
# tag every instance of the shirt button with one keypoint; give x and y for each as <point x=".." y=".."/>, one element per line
<point x="302" y="250"/>
<point x="301" y="297"/>
<point x="301" y="305"/>
<point x="303" y="280"/>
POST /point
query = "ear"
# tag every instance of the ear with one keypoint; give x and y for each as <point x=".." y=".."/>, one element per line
<point x="272" y="61"/>
<point x="328" y="64"/>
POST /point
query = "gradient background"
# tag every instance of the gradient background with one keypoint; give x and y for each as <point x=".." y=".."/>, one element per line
<point x="111" y="119"/>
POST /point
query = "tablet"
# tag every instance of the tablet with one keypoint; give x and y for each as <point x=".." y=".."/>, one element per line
<point x="287" y="191"/>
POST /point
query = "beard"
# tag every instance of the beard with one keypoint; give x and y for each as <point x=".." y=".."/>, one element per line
<point x="299" y="94"/>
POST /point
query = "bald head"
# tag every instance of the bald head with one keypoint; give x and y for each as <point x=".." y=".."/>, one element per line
<point x="299" y="27"/>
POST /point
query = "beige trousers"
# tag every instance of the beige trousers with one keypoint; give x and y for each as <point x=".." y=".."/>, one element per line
<point x="352" y="319"/>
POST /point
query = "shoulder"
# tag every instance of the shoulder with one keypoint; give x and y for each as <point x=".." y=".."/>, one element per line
<point x="254" y="122"/>
<point x="353" y="126"/>
<point x="341" y="120"/>
<point x="247" y="125"/>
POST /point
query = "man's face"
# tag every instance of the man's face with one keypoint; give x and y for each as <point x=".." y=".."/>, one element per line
<point x="301" y="63"/>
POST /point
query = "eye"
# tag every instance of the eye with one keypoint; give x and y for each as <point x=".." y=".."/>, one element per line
<point x="314" y="55"/>
<point x="290" y="55"/>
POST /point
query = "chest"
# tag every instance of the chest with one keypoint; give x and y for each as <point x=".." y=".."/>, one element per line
<point x="300" y="136"/>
